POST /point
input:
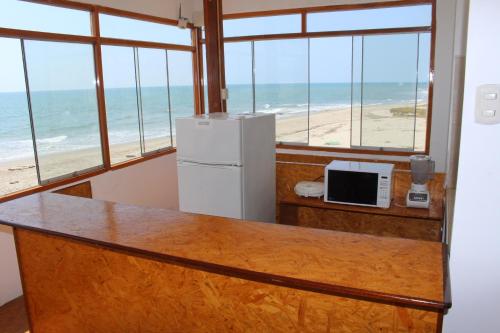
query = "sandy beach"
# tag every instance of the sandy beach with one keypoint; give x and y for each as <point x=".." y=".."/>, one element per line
<point x="331" y="128"/>
<point x="21" y="174"/>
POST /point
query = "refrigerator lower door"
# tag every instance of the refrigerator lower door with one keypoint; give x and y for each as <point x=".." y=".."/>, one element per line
<point x="210" y="189"/>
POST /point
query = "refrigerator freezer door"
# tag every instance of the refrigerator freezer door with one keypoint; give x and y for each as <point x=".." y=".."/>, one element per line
<point x="210" y="189"/>
<point x="211" y="141"/>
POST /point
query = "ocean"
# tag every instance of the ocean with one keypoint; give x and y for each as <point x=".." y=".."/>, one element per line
<point x="67" y="120"/>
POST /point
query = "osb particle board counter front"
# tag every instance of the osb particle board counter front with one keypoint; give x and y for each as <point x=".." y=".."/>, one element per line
<point x="95" y="266"/>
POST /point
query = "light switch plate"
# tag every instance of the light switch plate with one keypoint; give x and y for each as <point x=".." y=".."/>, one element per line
<point x="488" y="104"/>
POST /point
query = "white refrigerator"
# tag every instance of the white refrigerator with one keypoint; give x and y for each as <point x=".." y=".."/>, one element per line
<point x="226" y="165"/>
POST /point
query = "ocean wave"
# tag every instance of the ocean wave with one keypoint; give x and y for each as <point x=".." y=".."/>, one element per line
<point x="15" y="149"/>
<point x="55" y="139"/>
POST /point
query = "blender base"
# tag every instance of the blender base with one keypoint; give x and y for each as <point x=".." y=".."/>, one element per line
<point x="418" y="199"/>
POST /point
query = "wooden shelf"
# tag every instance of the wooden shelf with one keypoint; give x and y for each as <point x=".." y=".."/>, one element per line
<point x="398" y="207"/>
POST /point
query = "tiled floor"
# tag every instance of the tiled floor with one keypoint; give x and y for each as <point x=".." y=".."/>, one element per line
<point x="13" y="317"/>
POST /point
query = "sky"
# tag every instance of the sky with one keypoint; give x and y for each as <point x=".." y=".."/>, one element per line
<point x="386" y="58"/>
<point x="47" y="60"/>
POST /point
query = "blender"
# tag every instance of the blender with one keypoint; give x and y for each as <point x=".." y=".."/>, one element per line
<point x="422" y="170"/>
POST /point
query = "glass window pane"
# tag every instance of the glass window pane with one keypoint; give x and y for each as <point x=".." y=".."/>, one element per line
<point x="365" y="19"/>
<point x="121" y="103"/>
<point x="32" y="16"/>
<point x="180" y="75"/>
<point x="154" y="99"/>
<point x="64" y="105"/>
<point x="357" y="89"/>
<point x="389" y="87"/>
<point x="17" y="160"/>
<point x="238" y="66"/>
<point x="125" y="28"/>
<point x="330" y="92"/>
<point x="266" y="25"/>
<point x="281" y="80"/>
<point x="424" y="56"/>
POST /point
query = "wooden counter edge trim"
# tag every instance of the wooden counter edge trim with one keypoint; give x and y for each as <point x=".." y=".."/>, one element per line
<point x="446" y="279"/>
<point x="381" y="212"/>
<point x="322" y="288"/>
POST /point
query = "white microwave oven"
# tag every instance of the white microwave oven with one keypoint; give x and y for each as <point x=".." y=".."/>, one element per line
<point x="359" y="183"/>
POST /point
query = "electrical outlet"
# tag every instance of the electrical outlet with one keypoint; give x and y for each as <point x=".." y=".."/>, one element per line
<point x="488" y="104"/>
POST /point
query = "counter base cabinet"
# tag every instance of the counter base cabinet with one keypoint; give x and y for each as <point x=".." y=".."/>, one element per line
<point x="359" y="222"/>
<point x="75" y="286"/>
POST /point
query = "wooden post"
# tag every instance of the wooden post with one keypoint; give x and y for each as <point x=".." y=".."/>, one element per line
<point x="215" y="55"/>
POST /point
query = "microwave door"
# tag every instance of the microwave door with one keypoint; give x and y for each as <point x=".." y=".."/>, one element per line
<point x="352" y="187"/>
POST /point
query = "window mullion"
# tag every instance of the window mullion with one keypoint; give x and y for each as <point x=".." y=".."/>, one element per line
<point x="308" y="90"/>
<point x="253" y="75"/>
<point x="139" y="99"/>
<point x="362" y="90"/>
<point x="30" y="111"/>
<point x="416" y="92"/>
<point x="168" y="96"/>
<point x="352" y="89"/>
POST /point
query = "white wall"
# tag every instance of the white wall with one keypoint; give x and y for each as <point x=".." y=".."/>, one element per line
<point x="152" y="183"/>
<point x="475" y="251"/>
<point x="10" y="284"/>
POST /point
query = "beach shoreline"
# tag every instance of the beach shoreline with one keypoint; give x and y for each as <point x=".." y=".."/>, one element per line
<point x="327" y="128"/>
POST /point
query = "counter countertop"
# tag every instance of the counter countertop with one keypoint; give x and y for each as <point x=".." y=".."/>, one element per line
<point x="390" y="270"/>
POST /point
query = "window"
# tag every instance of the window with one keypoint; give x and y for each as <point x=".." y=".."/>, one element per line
<point x="146" y="89"/>
<point x="17" y="158"/>
<point x="124" y="28"/>
<point x="155" y="99"/>
<point x="281" y="86"/>
<point x="239" y="76"/>
<point x="388" y="90"/>
<point x="366" y="19"/>
<point x="340" y="89"/>
<point x="279" y="24"/>
<point x="330" y="91"/>
<point x="121" y="102"/>
<point x="180" y="71"/>
<point x="64" y="107"/>
<point x="58" y="110"/>
<point x="49" y="106"/>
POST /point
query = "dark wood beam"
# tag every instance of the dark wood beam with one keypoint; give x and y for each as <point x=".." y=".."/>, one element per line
<point x="214" y="54"/>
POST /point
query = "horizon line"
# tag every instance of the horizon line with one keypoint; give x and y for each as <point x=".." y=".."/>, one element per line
<point x="233" y="84"/>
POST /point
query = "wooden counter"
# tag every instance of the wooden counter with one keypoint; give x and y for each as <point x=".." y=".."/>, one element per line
<point x="94" y="266"/>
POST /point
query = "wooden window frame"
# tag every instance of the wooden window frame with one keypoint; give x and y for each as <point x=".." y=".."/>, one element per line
<point x="304" y="34"/>
<point x="97" y="42"/>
